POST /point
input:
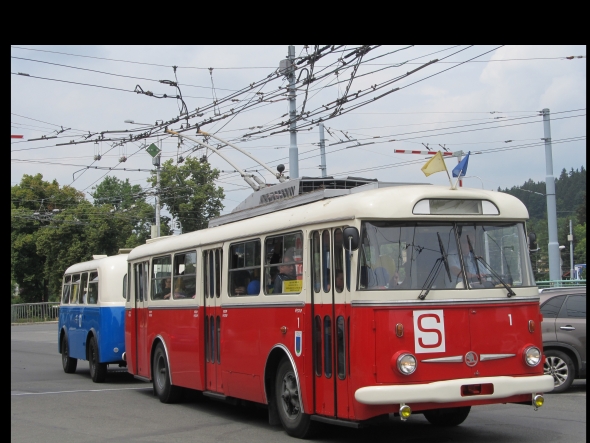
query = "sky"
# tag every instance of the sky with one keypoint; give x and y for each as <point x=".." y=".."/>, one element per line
<point x="485" y="100"/>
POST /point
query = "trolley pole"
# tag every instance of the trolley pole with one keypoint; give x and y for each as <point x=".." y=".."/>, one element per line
<point x="293" y="150"/>
<point x="553" y="247"/>
<point x="322" y="151"/>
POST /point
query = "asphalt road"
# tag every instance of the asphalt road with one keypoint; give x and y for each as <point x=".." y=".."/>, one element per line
<point x="48" y="405"/>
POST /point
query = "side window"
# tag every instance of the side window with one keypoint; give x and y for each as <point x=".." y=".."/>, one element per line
<point x="244" y="268"/>
<point x="283" y="264"/>
<point x="93" y="288"/>
<point x="125" y="286"/>
<point x="316" y="262"/>
<point x="338" y="261"/>
<point x="575" y="307"/>
<point x="185" y="275"/>
<point x="128" y="282"/>
<point x="326" y="260"/>
<point x="161" y="278"/>
<point x="75" y="288"/>
<point x="212" y="272"/>
<point x="83" y="289"/>
<point x="67" y="287"/>
<point x="141" y="278"/>
<point x="552" y="306"/>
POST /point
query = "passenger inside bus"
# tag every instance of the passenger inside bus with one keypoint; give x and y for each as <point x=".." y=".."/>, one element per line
<point x="286" y="272"/>
<point x="253" y="287"/>
<point x="339" y="281"/>
<point x="241" y="281"/>
<point x="165" y="292"/>
<point x="179" y="289"/>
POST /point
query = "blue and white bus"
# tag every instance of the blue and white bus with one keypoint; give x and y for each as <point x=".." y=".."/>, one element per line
<point x="92" y="314"/>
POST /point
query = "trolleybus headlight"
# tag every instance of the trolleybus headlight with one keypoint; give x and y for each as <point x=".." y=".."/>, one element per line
<point x="532" y="356"/>
<point x="406" y="364"/>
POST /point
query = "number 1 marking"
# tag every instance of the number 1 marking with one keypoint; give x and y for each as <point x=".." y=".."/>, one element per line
<point x="510" y="318"/>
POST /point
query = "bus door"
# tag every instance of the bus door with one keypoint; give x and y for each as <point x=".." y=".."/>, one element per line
<point x="329" y="323"/>
<point x="212" y="265"/>
<point x="141" y="274"/>
<point x="130" y="322"/>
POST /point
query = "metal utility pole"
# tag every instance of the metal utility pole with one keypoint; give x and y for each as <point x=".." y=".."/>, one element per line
<point x="322" y="151"/>
<point x="287" y="67"/>
<point x="570" y="238"/>
<point x="553" y="247"/>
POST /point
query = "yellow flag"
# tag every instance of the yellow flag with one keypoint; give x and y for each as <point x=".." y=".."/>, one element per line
<point x="435" y="164"/>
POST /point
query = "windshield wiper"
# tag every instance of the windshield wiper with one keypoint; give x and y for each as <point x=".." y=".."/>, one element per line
<point x="495" y="274"/>
<point x="444" y="256"/>
<point x="473" y="253"/>
<point x="435" y="270"/>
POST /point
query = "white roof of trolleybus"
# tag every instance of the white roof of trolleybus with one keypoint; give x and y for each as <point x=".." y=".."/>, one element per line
<point x="377" y="204"/>
<point x="111" y="271"/>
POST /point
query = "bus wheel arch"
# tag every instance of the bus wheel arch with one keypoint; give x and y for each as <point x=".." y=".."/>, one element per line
<point x="69" y="364"/>
<point x="98" y="371"/>
<point x="280" y="366"/>
<point x="161" y="374"/>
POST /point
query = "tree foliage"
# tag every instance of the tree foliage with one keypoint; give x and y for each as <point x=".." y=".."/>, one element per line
<point x="189" y="192"/>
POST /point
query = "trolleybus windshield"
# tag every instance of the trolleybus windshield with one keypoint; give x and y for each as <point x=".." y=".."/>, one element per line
<point x="482" y="255"/>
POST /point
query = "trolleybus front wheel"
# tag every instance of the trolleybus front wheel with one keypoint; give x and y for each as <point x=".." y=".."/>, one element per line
<point x="98" y="371"/>
<point x="447" y="416"/>
<point x="288" y="402"/>
<point x="69" y="364"/>
<point x="161" y="375"/>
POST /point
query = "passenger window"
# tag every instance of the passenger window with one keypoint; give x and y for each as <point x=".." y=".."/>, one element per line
<point x="283" y="264"/>
<point x="575" y="306"/>
<point x="338" y="261"/>
<point x="83" y="289"/>
<point x="244" y="268"/>
<point x="552" y="306"/>
<point x="65" y="298"/>
<point x="185" y="277"/>
<point x="161" y="278"/>
<point x="93" y="288"/>
<point x="75" y="289"/>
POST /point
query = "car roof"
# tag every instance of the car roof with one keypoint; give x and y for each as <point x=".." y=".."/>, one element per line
<point x="547" y="293"/>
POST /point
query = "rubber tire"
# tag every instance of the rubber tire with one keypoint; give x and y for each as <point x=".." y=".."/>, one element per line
<point x="98" y="371"/>
<point x="161" y="378"/>
<point x="69" y="364"/>
<point x="448" y="416"/>
<point x="295" y="423"/>
<point x="559" y="362"/>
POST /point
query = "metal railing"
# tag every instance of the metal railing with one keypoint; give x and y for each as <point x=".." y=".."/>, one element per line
<point x="560" y="283"/>
<point x="34" y="312"/>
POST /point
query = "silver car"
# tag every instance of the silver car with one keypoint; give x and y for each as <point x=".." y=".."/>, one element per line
<point x="564" y="334"/>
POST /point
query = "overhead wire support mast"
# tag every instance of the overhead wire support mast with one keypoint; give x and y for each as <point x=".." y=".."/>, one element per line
<point x="255" y="184"/>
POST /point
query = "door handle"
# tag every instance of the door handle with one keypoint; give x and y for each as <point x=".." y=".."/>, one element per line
<point x="567" y="328"/>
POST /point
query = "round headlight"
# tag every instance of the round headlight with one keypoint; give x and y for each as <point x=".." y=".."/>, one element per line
<point x="532" y="356"/>
<point x="406" y="364"/>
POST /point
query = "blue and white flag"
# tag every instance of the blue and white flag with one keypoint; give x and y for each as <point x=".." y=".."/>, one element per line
<point x="461" y="169"/>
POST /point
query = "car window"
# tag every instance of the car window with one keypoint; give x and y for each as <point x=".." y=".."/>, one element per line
<point x="575" y="307"/>
<point x="552" y="306"/>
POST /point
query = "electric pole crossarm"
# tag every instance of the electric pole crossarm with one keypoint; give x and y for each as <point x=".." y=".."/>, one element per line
<point x="245" y="176"/>
<point x="264" y="165"/>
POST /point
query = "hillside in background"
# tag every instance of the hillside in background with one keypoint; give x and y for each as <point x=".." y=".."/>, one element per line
<point x="570" y="195"/>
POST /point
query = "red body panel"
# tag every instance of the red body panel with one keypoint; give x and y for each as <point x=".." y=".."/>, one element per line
<point x="249" y="334"/>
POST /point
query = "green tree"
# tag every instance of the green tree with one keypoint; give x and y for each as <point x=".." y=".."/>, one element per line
<point x="126" y="201"/>
<point x="34" y="203"/>
<point x="189" y="192"/>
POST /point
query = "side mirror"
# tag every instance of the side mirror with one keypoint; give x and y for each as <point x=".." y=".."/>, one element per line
<point x="350" y="238"/>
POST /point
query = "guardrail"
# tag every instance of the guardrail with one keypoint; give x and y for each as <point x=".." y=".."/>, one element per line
<point x="34" y="312"/>
<point x="560" y="283"/>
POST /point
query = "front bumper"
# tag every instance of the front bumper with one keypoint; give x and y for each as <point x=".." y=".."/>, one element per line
<point x="450" y="390"/>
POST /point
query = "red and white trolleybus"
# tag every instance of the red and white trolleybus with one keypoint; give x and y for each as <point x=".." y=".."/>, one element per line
<point x="340" y="301"/>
